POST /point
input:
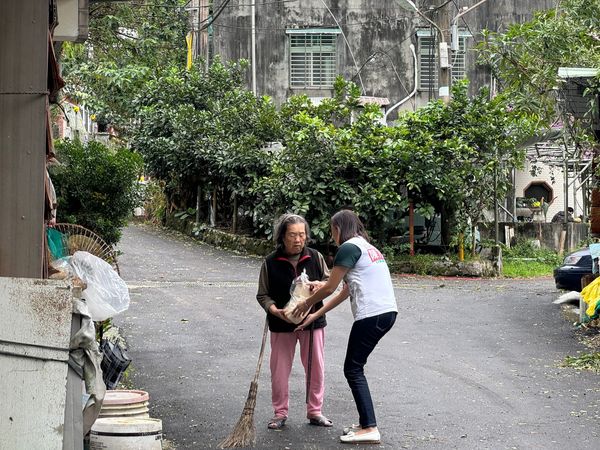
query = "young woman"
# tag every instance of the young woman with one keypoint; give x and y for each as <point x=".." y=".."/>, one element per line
<point x="369" y="286"/>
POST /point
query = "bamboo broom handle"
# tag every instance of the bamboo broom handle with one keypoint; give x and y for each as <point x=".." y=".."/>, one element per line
<point x="262" y="350"/>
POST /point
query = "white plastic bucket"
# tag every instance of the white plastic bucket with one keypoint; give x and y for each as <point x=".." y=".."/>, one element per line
<point x="125" y="403"/>
<point x="134" y="410"/>
<point x="123" y="433"/>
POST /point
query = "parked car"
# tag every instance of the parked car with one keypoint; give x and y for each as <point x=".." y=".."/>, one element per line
<point x="574" y="267"/>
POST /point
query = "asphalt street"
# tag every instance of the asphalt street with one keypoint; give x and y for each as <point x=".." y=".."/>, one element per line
<point x="470" y="364"/>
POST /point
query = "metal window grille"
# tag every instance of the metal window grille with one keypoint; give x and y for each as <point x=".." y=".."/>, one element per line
<point x="428" y="60"/>
<point x="312" y="60"/>
<point x="459" y="60"/>
<point x="428" y="72"/>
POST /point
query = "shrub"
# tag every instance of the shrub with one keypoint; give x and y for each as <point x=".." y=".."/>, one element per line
<point x="526" y="249"/>
<point x="96" y="186"/>
<point x="155" y="201"/>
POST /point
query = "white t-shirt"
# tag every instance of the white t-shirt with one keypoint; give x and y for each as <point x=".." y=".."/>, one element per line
<point x="368" y="278"/>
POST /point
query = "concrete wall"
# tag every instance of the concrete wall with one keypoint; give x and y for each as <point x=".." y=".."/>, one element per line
<point x="550" y="232"/>
<point x="553" y="176"/>
<point x="74" y="123"/>
<point x="35" y="328"/>
<point x="221" y="239"/>
<point x="370" y="27"/>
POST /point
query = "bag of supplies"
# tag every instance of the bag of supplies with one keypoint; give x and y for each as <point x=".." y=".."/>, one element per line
<point x="300" y="290"/>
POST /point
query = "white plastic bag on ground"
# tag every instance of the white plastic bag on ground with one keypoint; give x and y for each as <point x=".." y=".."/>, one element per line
<point x="106" y="294"/>
<point x="300" y="290"/>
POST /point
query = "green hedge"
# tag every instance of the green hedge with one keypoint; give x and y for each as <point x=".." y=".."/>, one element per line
<point x="96" y="186"/>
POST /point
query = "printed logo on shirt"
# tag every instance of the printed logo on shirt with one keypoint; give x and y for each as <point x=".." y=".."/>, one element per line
<point x="375" y="255"/>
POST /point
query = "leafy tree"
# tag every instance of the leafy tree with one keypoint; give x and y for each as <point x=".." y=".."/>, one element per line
<point x="527" y="56"/>
<point x="303" y="178"/>
<point x="450" y="154"/>
<point x="330" y="161"/>
<point x="96" y="186"/>
<point x="129" y="43"/>
<point x="204" y="129"/>
<point x="443" y="157"/>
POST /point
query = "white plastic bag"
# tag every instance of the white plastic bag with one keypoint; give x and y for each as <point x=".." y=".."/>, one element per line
<point x="300" y="290"/>
<point x="106" y="294"/>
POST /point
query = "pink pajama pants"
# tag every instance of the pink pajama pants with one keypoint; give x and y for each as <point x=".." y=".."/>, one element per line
<point x="283" y="348"/>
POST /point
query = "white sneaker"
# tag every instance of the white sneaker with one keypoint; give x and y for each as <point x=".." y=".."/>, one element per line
<point x="372" y="437"/>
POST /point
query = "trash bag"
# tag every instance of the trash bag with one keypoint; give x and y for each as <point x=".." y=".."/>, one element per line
<point x="300" y="290"/>
<point x="106" y="294"/>
<point x="114" y="363"/>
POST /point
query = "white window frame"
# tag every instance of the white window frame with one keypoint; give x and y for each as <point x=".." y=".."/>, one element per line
<point x="312" y="57"/>
<point x="429" y="63"/>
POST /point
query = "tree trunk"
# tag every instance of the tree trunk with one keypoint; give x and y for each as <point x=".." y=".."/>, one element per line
<point x="445" y="231"/>
<point x="235" y="215"/>
<point x="198" y="203"/>
<point x="213" y="212"/>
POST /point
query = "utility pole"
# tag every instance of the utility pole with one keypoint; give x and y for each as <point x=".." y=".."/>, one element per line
<point x="203" y="13"/>
<point x="196" y="24"/>
<point x="253" y="44"/>
<point x="445" y="55"/>
<point x="199" y="12"/>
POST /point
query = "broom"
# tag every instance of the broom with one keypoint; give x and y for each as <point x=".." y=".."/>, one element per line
<point x="244" y="433"/>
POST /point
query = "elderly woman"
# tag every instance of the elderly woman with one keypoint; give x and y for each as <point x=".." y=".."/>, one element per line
<point x="369" y="285"/>
<point x="278" y="271"/>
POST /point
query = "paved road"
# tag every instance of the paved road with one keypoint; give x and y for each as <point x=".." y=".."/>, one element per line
<point x="470" y="364"/>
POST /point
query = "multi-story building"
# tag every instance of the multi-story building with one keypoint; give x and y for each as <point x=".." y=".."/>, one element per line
<point x="301" y="45"/>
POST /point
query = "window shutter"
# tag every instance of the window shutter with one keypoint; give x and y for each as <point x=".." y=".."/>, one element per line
<point x="428" y="73"/>
<point x="312" y="59"/>
<point x="459" y="60"/>
<point x="428" y="59"/>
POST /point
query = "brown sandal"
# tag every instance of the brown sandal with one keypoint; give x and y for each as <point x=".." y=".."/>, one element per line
<point x="276" y="423"/>
<point x="320" y="421"/>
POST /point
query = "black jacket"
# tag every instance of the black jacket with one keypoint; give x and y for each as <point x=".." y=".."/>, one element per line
<point x="277" y="275"/>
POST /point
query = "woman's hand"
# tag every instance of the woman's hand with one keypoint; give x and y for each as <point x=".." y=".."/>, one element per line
<point x="278" y="313"/>
<point x="309" y="319"/>
<point x="300" y="309"/>
<point x="315" y="286"/>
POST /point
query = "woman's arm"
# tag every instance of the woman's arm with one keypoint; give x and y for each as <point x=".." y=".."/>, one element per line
<point x="263" y="298"/>
<point x="278" y="313"/>
<point x="335" y="278"/>
<point x="335" y="301"/>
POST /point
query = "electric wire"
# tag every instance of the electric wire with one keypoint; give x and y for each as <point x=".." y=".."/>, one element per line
<point x="210" y="19"/>
<point x="345" y="24"/>
<point x="386" y="53"/>
<point x="465" y="22"/>
<point x="279" y="2"/>
<point x="347" y="44"/>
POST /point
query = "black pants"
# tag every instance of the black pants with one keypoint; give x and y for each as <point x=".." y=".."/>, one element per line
<point x="364" y="336"/>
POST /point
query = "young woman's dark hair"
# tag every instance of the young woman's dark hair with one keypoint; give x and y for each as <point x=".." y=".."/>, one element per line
<point x="349" y="225"/>
<point x="281" y="227"/>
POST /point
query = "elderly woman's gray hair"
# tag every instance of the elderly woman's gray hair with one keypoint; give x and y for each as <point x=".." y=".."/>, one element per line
<point x="281" y="226"/>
